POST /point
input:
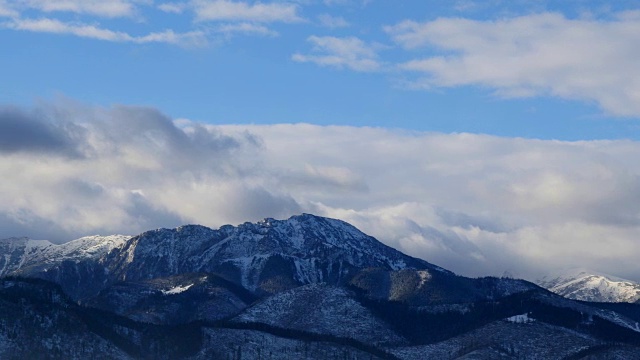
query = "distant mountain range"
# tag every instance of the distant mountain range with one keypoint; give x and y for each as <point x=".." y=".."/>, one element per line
<point x="306" y="287"/>
<point x="585" y="285"/>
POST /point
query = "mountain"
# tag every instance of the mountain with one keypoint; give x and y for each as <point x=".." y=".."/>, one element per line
<point x="175" y="299"/>
<point x="39" y="321"/>
<point x="29" y="255"/>
<point x="266" y="257"/>
<point x="305" y="287"/>
<point x="76" y="265"/>
<point x="585" y="285"/>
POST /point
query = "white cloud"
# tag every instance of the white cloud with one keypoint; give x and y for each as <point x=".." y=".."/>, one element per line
<point x="346" y="2"/>
<point x="335" y="2"/>
<point x="195" y="38"/>
<point x="475" y="204"/>
<point x="349" y="52"/>
<point x="226" y="10"/>
<point x="466" y="5"/>
<point x="6" y="10"/>
<point x="246" y="29"/>
<point x="238" y="17"/>
<point x="175" y="8"/>
<point x="541" y="54"/>
<point x="332" y="22"/>
<point x="129" y="169"/>
<point x="105" y="8"/>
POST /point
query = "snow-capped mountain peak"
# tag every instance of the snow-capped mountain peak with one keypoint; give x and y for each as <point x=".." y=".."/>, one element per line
<point x="307" y="248"/>
<point x="586" y="285"/>
<point x="315" y="280"/>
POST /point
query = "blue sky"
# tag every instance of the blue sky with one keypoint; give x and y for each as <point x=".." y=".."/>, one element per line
<point x="483" y="136"/>
<point x="343" y="62"/>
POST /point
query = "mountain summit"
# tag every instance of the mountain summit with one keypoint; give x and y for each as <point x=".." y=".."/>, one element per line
<point x="586" y="285"/>
<point x="267" y="256"/>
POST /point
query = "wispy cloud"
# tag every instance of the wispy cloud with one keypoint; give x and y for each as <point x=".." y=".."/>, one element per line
<point x="6" y="10"/>
<point x="110" y="8"/>
<point x="466" y="5"/>
<point x="245" y="29"/>
<point x="231" y="18"/>
<point x="226" y="10"/>
<point x="195" y="38"/>
<point x="349" y="52"/>
<point x="175" y="8"/>
<point x="541" y="54"/>
<point x="346" y="2"/>
<point x="332" y="22"/>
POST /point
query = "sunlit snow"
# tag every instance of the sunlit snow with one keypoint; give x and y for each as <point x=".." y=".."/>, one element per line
<point x="177" y="290"/>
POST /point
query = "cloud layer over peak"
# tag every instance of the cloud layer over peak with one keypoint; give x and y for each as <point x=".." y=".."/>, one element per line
<point x="476" y="204"/>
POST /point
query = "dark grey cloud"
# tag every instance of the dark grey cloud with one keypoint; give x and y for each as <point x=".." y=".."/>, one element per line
<point x="121" y="124"/>
<point x="28" y="224"/>
<point x="125" y="169"/>
<point x="143" y="215"/>
<point x="147" y="131"/>
<point x="466" y="221"/>
<point x="23" y="131"/>
<point x="258" y="203"/>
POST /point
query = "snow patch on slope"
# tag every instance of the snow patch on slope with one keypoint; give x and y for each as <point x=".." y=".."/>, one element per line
<point x="520" y="319"/>
<point x="176" y="290"/>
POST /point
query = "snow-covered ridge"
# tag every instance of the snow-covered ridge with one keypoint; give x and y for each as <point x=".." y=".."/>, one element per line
<point x="582" y="284"/>
<point x="18" y="253"/>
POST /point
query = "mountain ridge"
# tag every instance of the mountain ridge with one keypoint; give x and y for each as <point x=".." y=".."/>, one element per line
<point x="587" y="285"/>
<point x="307" y="286"/>
<point x="312" y="249"/>
<point x="267" y="256"/>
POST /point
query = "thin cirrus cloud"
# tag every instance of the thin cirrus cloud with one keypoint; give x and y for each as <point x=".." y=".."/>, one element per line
<point x="194" y="38"/>
<point x="544" y="54"/>
<point x="225" y="10"/>
<point x="591" y="59"/>
<point x="341" y="52"/>
<point x="111" y="8"/>
<point x="230" y="17"/>
<point x="332" y="22"/>
<point x="175" y="8"/>
<point x="245" y="29"/>
<point x="6" y="10"/>
<point x="78" y="170"/>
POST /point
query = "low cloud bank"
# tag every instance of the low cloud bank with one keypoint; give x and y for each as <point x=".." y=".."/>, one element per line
<point x="475" y="204"/>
